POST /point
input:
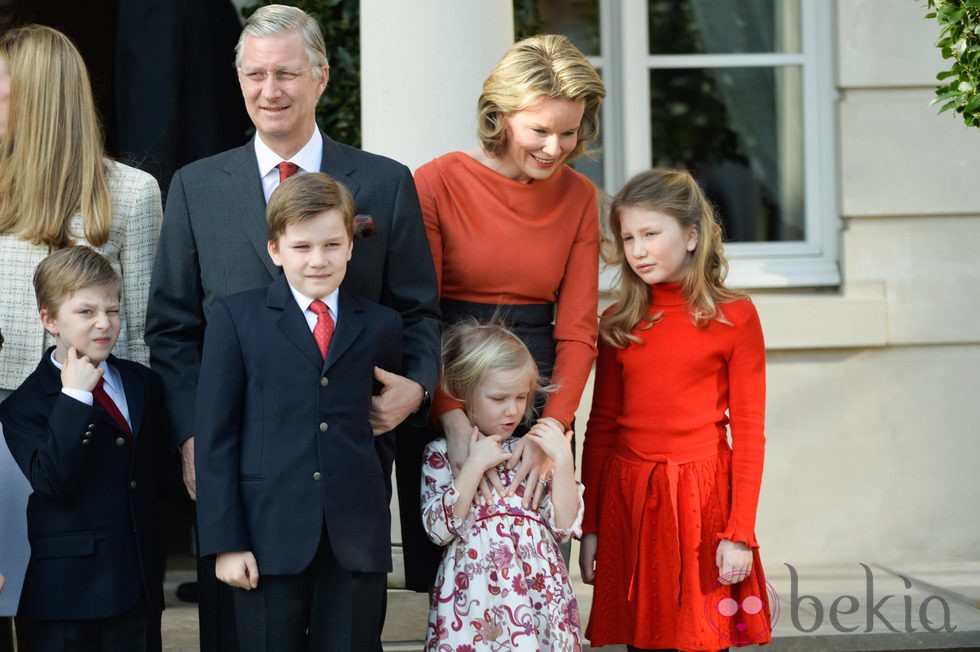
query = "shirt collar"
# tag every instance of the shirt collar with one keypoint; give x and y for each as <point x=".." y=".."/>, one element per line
<point x="303" y="301"/>
<point x="308" y="158"/>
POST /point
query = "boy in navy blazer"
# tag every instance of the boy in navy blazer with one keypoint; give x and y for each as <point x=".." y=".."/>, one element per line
<point x="91" y="433"/>
<point x="291" y="493"/>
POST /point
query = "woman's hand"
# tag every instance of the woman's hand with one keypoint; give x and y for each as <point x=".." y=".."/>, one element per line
<point x="532" y="465"/>
<point x="734" y="561"/>
<point x="586" y="556"/>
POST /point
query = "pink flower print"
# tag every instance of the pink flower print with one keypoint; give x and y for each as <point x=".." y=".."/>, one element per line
<point x="501" y="556"/>
<point x="436" y="461"/>
<point x="519" y="586"/>
<point x="537" y="582"/>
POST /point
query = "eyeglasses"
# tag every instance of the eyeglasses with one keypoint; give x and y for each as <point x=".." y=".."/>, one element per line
<point x="281" y="76"/>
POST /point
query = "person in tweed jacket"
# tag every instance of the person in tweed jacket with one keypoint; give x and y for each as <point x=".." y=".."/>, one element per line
<point x="57" y="188"/>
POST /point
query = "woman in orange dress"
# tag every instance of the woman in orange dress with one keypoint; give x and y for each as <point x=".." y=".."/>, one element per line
<point x="514" y="233"/>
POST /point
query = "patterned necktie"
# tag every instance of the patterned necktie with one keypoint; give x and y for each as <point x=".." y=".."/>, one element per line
<point x="286" y="170"/>
<point x="110" y="406"/>
<point x="323" y="330"/>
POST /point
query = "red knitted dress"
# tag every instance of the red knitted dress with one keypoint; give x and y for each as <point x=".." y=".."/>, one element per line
<point x="663" y="486"/>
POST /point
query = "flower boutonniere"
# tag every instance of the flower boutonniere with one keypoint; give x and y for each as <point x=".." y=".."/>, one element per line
<point x="363" y="226"/>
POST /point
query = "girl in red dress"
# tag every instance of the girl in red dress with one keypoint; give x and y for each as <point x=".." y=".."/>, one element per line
<point x="670" y="504"/>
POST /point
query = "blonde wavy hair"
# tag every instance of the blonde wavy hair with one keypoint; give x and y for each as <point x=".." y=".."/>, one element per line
<point x="677" y="194"/>
<point x="52" y="158"/>
<point x="546" y="65"/>
<point x="471" y="351"/>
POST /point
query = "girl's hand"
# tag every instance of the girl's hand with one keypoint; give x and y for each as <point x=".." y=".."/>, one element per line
<point x="554" y="441"/>
<point x="486" y="452"/>
<point x="586" y="556"/>
<point x="734" y="561"/>
<point x="79" y="373"/>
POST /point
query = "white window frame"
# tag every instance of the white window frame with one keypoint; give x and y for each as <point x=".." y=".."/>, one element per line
<point x="812" y="262"/>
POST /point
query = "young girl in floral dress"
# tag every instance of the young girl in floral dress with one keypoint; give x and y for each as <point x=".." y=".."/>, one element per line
<point x="502" y="583"/>
<point x="670" y="505"/>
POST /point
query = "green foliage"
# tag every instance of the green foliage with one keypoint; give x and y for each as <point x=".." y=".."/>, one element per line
<point x="339" y="110"/>
<point x="959" y="42"/>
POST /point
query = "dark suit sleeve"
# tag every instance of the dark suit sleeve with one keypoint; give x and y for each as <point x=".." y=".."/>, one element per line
<point x="50" y="447"/>
<point x="218" y="428"/>
<point x="410" y="286"/>
<point x="390" y="359"/>
<point x="175" y="315"/>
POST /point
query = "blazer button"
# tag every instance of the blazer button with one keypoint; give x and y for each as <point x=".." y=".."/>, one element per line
<point x="85" y="441"/>
<point x="324" y="427"/>
<point x="120" y="441"/>
<point x="316" y="475"/>
<point x="132" y="485"/>
<point x="324" y="382"/>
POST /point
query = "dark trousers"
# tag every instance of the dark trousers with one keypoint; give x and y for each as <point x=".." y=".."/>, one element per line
<point x="137" y="630"/>
<point x="421" y="555"/>
<point x="326" y="608"/>
<point x="215" y="610"/>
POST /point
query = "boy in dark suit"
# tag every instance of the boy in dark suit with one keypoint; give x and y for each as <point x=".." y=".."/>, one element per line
<point x="291" y="493"/>
<point x="91" y="433"/>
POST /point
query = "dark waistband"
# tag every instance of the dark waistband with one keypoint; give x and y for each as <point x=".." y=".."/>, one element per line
<point x="515" y="316"/>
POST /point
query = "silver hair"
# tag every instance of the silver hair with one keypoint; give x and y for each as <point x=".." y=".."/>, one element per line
<point x="270" y="20"/>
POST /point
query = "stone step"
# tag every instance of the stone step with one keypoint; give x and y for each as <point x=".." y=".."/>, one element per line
<point x="820" y="608"/>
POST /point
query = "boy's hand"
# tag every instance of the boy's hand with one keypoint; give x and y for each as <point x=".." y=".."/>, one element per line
<point x="399" y="397"/>
<point x="237" y="569"/>
<point x="79" y="373"/>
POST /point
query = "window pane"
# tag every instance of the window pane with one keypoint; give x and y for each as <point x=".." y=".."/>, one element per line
<point x="739" y="131"/>
<point x="576" y="19"/>
<point x="723" y="26"/>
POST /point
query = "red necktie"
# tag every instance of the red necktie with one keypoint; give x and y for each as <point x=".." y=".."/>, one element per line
<point x="110" y="406"/>
<point x="286" y="170"/>
<point x="323" y="330"/>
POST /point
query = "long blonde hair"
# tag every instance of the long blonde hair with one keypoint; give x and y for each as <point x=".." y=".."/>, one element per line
<point x="52" y="159"/>
<point x="677" y="194"/>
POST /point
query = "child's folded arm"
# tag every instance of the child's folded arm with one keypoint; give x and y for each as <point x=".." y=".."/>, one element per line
<point x="51" y="449"/>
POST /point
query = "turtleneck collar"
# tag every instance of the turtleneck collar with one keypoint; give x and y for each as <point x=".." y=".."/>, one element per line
<point x="667" y="294"/>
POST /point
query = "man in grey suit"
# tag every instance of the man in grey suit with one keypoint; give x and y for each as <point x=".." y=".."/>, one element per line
<point x="214" y="235"/>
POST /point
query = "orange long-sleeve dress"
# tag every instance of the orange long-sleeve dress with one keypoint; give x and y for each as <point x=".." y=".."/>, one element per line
<point x="499" y="242"/>
<point x="663" y="486"/>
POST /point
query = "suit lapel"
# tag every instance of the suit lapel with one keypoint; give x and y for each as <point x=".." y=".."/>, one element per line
<point x="291" y="320"/>
<point x="349" y="327"/>
<point x="49" y="375"/>
<point x="338" y="165"/>
<point x="135" y="396"/>
<point x="243" y="196"/>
